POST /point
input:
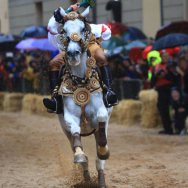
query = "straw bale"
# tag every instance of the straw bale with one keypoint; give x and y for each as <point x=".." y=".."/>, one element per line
<point x="2" y="95"/>
<point x="127" y="112"/>
<point x="149" y="114"/>
<point x="29" y="103"/>
<point x="12" y="102"/>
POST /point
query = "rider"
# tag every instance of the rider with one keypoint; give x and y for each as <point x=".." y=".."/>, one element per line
<point x="110" y="98"/>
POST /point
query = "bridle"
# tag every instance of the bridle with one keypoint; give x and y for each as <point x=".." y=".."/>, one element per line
<point x="64" y="39"/>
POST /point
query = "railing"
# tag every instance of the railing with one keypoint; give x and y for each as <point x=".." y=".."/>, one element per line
<point x="127" y="89"/>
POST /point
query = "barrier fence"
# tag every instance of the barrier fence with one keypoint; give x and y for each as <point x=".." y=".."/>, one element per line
<point x="125" y="89"/>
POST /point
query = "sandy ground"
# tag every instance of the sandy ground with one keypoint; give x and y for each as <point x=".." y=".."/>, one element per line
<point x="34" y="153"/>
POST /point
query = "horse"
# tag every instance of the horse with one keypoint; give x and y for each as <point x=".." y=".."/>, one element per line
<point x="82" y="93"/>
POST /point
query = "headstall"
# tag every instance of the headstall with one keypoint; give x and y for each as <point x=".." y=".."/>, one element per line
<point x="64" y="39"/>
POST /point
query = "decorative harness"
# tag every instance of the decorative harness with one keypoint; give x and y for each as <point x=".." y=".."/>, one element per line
<point x="80" y="88"/>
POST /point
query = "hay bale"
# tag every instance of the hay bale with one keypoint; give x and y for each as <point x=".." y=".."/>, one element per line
<point x="127" y="112"/>
<point x="2" y="95"/>
<point x="40" y="108"/>
<point x="29" y="103"/>
<point x="149" y="115"/>
<point x="12" y="102"/>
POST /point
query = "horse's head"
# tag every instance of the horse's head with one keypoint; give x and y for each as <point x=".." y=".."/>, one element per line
<point x="74" y="35"/>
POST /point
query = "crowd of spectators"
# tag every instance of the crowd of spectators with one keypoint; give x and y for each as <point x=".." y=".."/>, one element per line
<point x="24" y="71"/>
<point x="165" y="71"/>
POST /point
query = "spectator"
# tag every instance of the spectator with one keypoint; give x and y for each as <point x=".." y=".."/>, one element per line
<point x="162" y="81"/>
<point x="180" y="106"/>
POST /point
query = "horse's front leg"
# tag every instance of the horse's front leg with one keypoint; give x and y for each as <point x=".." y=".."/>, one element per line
<point x="72" y="113"/>
<point x="101" y="118"/>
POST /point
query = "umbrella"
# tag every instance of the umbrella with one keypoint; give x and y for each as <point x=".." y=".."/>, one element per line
<point x="117" y="28"/>
<point x="113" y="43"/>
<point x="33" y="43"/>
<point x="174" y="27"/>
<point x="26" y="44"/>
<point x="135" y="44"/>
<point x="43" y="44"/>
<point x="34" y="31"/>
<point x="8" y="42"/>
<point x="133" y="33"/>
<point x="170" y="41"/>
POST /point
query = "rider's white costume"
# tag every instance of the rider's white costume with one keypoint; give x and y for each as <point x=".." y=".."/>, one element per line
<point x="99" y="30"/>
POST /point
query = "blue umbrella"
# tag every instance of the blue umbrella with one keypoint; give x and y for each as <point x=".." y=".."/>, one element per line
<point x="32" y="44"/>
<point x="135" y="44"/>
<point x="34" y="31"/>
<point x="43" y="44"/>
<point x="132" y="34"/>
<point x="170" y="41"/>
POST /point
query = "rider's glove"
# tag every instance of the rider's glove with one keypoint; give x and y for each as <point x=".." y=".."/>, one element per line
<point x="57" y="15"/>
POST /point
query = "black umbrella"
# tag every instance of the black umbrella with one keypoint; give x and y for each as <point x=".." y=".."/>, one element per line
<point x="174" y="27"/>
<point x="170" y="41"/>
<point x="34" y="31"/>
<point x="8" y="42"/>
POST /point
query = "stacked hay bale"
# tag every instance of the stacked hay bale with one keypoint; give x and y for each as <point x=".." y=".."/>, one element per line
<point x="149" y="114"/>
<point x="127" y="112"/>
<point x="29" y="103"/>
<point x="2" y="95"/>
<point x="12" y="102"/>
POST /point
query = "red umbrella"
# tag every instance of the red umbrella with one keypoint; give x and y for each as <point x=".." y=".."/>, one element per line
<point x="174" y="27"/>
<point x="117" y="28"/>
<point x="135" y="54"/>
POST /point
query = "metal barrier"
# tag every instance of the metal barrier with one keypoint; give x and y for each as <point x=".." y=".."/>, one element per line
<point x="127" y="89"/>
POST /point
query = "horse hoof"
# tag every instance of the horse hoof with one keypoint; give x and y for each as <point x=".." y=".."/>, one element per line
<point x="80" y="158"/>
<point x="103" y="153"/>
<point x="101" y="179"/>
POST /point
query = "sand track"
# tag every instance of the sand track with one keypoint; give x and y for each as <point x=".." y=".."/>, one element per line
<point x="34" y="153"/>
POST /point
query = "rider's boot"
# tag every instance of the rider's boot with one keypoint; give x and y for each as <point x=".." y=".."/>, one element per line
<point x="79" y="156"/>
<point x="54" y="105"/>
<point x="109" y="97"/>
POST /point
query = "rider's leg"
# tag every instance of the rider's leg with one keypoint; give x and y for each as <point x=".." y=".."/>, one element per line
<point x="110" y="98"/>
<point x="54" y="104"/>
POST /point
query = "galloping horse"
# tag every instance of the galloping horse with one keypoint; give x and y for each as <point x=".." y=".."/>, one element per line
<point x="82" y="92"/>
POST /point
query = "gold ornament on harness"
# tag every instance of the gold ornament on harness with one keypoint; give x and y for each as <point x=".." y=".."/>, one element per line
<point x="72" y="16"/>
<point x="94" y="83"/>
<point x="81" y="96"/>
<point x="68" y="84"/>
<point x="75" y="37"/>
<point x="88" y="73"/>
<point x="91" y="62"/>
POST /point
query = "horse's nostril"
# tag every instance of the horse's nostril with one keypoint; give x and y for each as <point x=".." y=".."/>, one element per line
<point x="77" y="52"/>
<point x="69" y="53"/>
